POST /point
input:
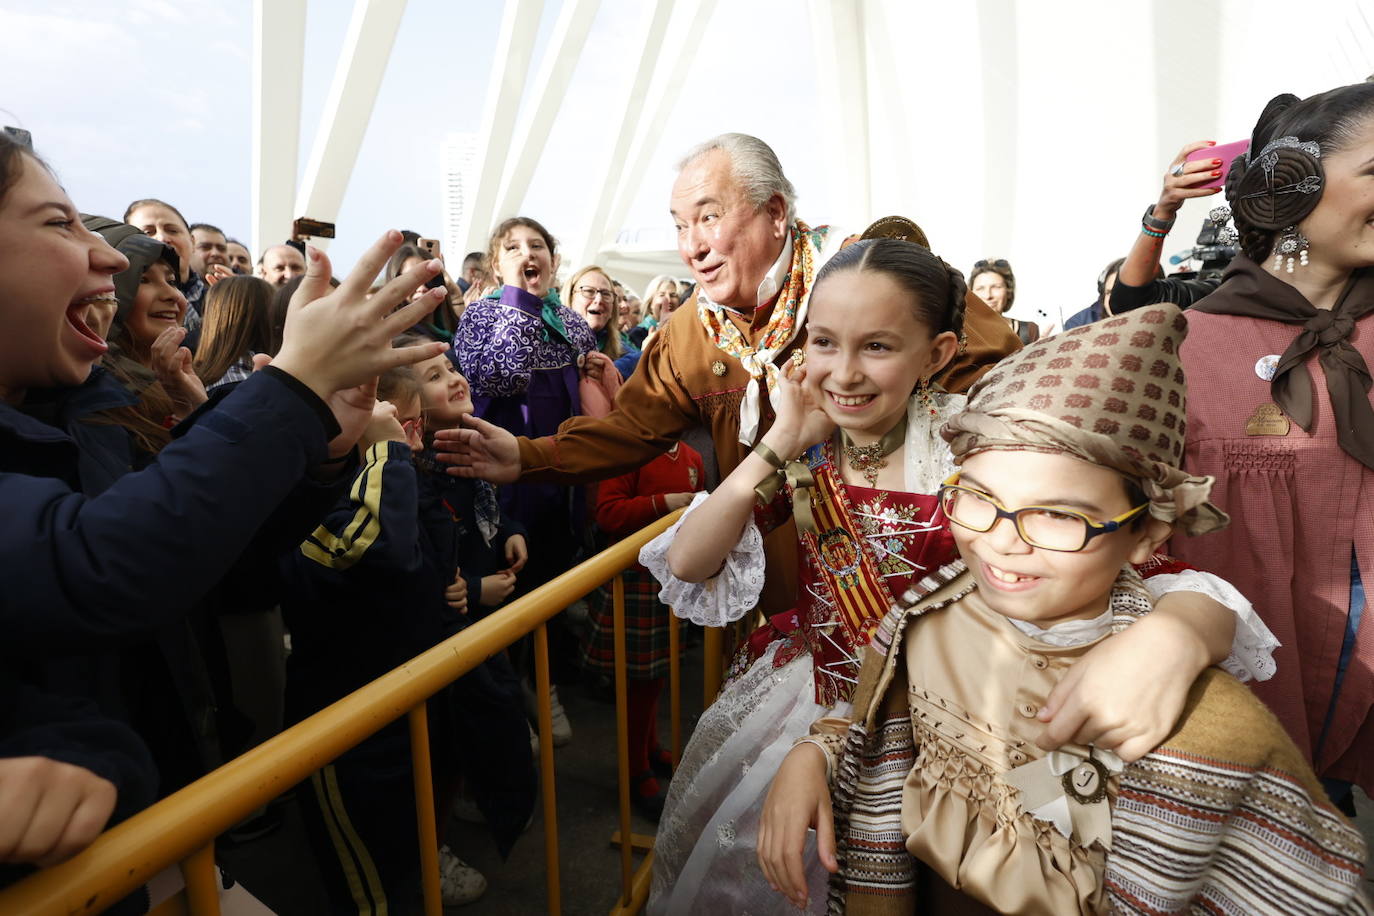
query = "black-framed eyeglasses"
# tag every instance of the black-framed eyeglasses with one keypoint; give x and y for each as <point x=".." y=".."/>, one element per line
<point x="591" y="292"/>
<point x="1046" y="527"/>
<point x="999" y="262"/>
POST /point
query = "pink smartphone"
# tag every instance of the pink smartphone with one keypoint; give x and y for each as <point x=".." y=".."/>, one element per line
<point x="1225" y="152"/>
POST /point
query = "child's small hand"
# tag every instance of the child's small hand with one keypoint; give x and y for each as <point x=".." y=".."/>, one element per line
<point x="517" y="552"/>
<point x="675" y="501"/>
<point x="1126" y="694"/>
<point x="383" y="426"/>
<point x="497" y="587"/>
<point x="798" y="799"/>
<point x="457" y="593"/>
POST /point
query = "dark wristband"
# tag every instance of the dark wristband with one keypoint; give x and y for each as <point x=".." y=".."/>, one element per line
<point x="1150" y="221"/>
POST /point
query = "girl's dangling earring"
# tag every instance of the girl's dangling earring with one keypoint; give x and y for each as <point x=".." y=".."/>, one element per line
<point x="1291" y="245"/>
<point x="924" y="397"/>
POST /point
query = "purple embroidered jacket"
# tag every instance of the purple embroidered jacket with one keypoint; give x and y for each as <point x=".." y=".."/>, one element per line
<point x="520" y="380"/>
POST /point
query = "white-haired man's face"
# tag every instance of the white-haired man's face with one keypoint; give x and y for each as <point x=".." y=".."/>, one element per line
<point x="725" y="241"/>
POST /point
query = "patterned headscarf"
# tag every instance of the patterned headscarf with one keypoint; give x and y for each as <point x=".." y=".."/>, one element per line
<point x="1111" y="393"/>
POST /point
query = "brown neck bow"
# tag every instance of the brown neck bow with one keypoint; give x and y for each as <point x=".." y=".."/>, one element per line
<point x="1250" y="291"/>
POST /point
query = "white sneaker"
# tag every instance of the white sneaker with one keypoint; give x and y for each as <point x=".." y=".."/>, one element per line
<point x="459" y="882"/>
<point x="466" y="810"/>
<point x="562" y="728"/>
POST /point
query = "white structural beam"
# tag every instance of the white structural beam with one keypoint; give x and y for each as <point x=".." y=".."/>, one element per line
<point x="837" y="37"/>
<point x="651" y="43"/>
<point x="278" y="59"/>
<point x="999" y="65"/>
<point x="546" y="94"/>
<point x="659" y="109"/>
<point x="348" y="108"/>
<point x="509" y="68"/>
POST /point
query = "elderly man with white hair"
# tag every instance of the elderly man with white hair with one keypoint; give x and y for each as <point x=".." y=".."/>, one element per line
<point x="712" y="364"/>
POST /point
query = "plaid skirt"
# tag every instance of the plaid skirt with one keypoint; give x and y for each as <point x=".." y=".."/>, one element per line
<point x="646" y="629"/>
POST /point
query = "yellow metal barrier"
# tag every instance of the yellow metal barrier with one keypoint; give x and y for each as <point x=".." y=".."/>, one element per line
<point x="182" y="828"/>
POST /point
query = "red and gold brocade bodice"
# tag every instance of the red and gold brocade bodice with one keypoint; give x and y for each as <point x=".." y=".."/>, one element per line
<point x="868" y="546"/>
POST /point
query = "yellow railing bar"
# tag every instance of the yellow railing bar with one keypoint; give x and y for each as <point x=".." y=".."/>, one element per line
<point x="545" y="716"/>
<point x="424" y="809"/>
<point x="622" y="733"/>
<point x="202" y="881"/>
<point x="675" y="687"/>
<point x="126" y="856"/>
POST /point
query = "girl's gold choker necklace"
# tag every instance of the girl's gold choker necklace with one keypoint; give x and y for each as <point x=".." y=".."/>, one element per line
<point x="870" y="459"/>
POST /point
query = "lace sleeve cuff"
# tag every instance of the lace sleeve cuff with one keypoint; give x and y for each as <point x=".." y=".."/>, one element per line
<point x="725" y="597"/>
<point x="1252" y="651"/>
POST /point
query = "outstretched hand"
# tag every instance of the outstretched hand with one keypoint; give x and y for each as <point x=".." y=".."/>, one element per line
<point x="336" y="339"/>
<point x="479" y="449"/>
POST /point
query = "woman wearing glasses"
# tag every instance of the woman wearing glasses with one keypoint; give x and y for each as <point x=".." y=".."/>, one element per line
<point x="592" y="295"/>
<point x="992" y="281"/>
<point x="885" y="316"/>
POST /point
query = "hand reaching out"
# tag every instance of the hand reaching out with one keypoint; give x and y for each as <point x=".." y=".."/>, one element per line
<point x="479" y="449"/>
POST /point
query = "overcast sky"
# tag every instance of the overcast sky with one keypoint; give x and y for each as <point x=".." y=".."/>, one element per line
<point x="1030" y="129"/>
<point x="151" y="98"/>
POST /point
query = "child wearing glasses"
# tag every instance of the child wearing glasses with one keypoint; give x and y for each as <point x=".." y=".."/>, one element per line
<point x="885" y="316"/>
<point x="934" y="788"/>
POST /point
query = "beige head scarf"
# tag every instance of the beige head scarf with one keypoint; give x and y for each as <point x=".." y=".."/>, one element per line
<point x="1111" y="393"/>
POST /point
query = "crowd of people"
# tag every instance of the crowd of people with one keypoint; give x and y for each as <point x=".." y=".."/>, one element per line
<point x="240" y="489"/>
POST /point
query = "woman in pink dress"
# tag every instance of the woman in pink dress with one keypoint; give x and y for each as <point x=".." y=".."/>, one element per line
<point x="1277" y="361"/>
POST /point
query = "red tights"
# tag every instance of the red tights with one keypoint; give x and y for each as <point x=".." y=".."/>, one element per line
<point x="643" y="720"/>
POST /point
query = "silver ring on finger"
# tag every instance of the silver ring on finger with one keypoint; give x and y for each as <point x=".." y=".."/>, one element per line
<point x="1177" y="170"/>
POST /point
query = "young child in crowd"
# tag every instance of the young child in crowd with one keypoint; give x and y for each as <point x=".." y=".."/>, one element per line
<point x="885" y="315"/>
<point x="370" y="589"/>
<point x="624" y="505"/>
<point x="491" y="543"/>
<point x="1069" y="473"/>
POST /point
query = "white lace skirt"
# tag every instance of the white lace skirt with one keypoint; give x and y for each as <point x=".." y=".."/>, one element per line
<point x="704" y="855"/>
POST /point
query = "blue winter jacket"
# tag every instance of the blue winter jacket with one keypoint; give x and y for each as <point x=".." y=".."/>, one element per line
<point x="78" y="570"/>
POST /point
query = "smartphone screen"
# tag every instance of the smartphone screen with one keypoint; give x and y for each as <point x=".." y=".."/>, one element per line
<point x="1225" y="152"/>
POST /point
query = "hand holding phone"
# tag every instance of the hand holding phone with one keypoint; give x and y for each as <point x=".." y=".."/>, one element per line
<point x="1226" y="153"/>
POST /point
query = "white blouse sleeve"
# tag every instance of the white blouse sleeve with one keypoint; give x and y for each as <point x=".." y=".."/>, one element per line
<point x="722" y="599"/>
<point x="1252" y="651"/>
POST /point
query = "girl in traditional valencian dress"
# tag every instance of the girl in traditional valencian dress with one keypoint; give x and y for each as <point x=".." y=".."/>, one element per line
<point x="885" y="316"/>
<point x="932" y="795"/>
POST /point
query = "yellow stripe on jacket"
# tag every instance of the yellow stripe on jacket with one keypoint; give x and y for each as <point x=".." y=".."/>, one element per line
<point x="344" y="550"/>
